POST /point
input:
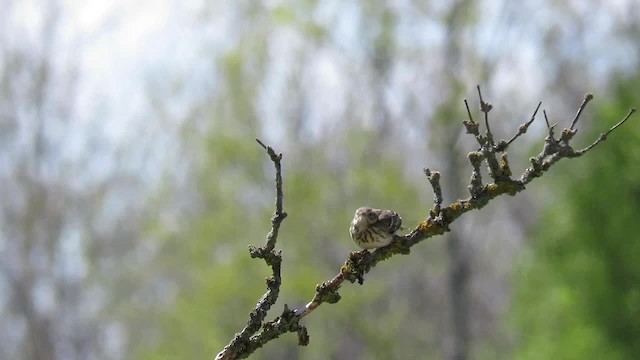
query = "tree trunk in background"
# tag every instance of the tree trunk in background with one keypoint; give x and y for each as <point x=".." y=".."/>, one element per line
<point x="458" y="284"/>
<point x="459" y="258"/>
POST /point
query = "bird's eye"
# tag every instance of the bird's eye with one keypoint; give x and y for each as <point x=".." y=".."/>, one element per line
<point x="372" y="216"/>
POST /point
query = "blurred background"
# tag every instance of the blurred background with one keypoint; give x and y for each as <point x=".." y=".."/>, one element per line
<point x="131" y="184"/>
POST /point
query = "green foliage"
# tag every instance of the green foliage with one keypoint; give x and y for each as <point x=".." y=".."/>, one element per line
<point x="577" y="291"/>
<point x="207" y="261"/>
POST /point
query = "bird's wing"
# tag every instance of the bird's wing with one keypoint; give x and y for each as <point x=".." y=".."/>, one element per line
<point x="390" y="220"/>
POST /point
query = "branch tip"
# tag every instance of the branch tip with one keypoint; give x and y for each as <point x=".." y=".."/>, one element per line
<point x="522" y="129"/>
<point x="466" y="104"/>
<point x="631" y="111"/>
<point x="546" y="119"/>
<point x="588" y="97"/>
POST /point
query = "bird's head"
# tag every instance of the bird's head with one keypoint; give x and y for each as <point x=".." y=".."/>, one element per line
<point x="365" y="216"/>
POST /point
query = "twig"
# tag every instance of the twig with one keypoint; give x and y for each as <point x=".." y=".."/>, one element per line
<point x="473" y="127"/>
<point x="587" y="97"/>
<point x="485" y="107"/>
<point x="434" y="180"/>
<point x="279" y="215"/>
<point x="466" y="104"/>
<point x="241" y="345"/>
<point x="603" y="136"/>
<point x="523" y="128"/>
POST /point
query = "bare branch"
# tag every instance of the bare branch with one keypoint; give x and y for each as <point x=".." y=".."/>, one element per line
<point x="554" y="150"/>
<point x="466" y="104"/>
<point x="587" y="97"/>
<point x="279" y="215"/>
<point x="487" y="149"/>
<point x="244" y="342"/>
<point x="434" y="180"/>
<point x="524" y="127"/>
<point x="603" y="136"/>
<point x="471" y="126"/>
<point x="360" y="263"/>
<point x="485" y="107"/>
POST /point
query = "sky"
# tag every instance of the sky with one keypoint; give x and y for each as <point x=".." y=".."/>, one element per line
<point x="125" y="55"/>
<point x="142" y="65"/>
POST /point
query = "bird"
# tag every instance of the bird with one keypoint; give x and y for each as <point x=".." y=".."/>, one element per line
<point x="374" y="228"/>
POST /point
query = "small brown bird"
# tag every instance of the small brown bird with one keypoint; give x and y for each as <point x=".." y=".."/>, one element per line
<point x="374" y="228"/>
